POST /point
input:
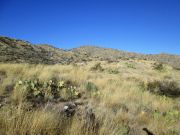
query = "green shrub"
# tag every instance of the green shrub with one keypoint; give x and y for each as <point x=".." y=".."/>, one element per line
<point x="89" y="86"/>
<point x="92" y="89"/>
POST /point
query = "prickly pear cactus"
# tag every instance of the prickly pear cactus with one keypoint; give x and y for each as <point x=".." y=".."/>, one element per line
<point x="48" y="90"/>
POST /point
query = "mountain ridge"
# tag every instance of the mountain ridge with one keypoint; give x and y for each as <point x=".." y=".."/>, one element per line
<point x="20" y="51"/>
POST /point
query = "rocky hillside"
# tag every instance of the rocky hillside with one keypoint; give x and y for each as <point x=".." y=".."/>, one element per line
<point x="19" y="51"/>
<point x="115" y="55"/>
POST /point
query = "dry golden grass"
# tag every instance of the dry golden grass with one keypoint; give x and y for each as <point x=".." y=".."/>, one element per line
<point x="122" y="107"/>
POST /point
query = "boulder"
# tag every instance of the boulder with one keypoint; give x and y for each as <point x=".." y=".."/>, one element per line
<point x="69" y="109"/>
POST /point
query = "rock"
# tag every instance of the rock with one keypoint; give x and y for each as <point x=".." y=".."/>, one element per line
<point x="69" y="109"/>
<point x="65" y="108"/>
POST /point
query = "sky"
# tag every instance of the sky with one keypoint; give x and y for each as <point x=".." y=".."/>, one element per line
<point x="143" y="26"/>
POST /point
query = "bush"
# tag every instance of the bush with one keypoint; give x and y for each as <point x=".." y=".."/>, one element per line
<point x="92" y="89"/>
<point x="168" y="88"/>
<point x="97" y="67"/>
<point x="113" y="71"/>
<point x="130" y="65"/>
<point x="89" y="86"/>
<point x="158" y="66"/>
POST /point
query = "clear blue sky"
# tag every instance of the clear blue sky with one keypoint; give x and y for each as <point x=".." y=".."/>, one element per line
<point x="146" y="26"/>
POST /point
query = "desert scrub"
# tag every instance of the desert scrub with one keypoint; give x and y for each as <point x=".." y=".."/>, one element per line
<point x="168" y="88"/>
<point x="91" y="89"/>
<point x="130" y="65"/>
<point x="97" y="67"/>
<point x="119" y="94"/>
<point x="113" y="71"/>
<point x="158" y="66"/>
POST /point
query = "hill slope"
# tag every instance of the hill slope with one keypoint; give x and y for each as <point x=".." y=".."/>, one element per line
<point x="19" y="51"/>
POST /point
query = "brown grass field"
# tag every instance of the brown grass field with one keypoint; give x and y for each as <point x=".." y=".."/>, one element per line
<point x="123" y="97"/>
